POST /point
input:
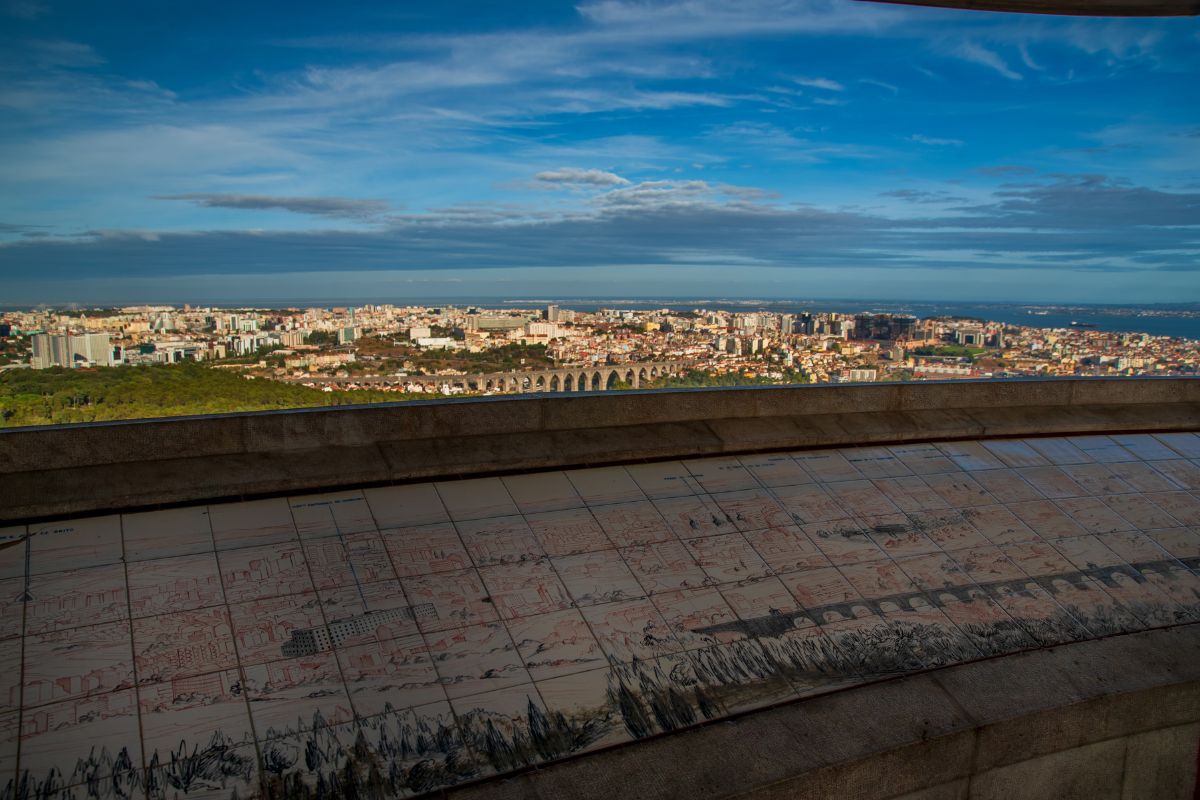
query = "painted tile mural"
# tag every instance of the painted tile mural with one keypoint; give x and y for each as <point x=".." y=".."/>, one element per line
<point x="395" y="641"/>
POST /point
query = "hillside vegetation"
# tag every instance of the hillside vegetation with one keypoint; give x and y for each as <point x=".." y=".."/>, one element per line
<point x="42" y="397"/>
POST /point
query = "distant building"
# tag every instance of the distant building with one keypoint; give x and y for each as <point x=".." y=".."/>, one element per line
<point x="550" y="314"/>
<point x="71" y="350"/>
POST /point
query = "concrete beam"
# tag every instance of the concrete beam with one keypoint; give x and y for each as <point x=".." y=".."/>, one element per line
<point x="72" y="469"/>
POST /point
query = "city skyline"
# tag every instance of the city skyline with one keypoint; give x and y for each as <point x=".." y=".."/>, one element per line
<point x="772" y="148"/>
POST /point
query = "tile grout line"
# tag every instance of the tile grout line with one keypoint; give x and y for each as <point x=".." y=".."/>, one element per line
<point x="241" y="671"/>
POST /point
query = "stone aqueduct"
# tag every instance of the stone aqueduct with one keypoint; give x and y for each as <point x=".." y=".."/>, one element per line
<point x="567" y="379"/>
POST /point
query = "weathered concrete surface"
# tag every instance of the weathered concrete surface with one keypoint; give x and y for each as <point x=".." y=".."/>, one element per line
<point x="72" y="469"/>
<point x="1111" y="718"/>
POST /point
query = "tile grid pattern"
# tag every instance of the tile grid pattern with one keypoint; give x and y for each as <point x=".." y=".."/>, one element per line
<point x="523" y="553"/>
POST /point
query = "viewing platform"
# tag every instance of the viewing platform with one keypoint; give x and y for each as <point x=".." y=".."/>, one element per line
<point x="926" y="590"/>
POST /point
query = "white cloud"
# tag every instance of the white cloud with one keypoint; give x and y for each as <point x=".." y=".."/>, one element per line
<point x="934" y="141"/>
<point x="572" y="176"/>
<point x="821" y="83"/>
<point x="978" y="54"/>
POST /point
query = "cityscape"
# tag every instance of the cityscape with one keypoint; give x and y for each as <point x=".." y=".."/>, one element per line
<point x="394" y="352"/>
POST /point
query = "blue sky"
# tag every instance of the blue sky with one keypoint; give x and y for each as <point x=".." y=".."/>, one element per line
<point x="184" y="151"/>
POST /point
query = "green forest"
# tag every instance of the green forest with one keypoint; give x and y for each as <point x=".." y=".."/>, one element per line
<point x="52" y="396"/>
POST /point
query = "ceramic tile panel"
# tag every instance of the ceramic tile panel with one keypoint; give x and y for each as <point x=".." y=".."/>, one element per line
<point x="1186" y="444"/>
<point x="876" y="462"/>
<point x="776" y="469"/>
<point x="635" y="523"/>
<point x="556" y="644"/>
<point x="524" y="589"/>
<point x="843" y="541"/>
<point x="74" y="544"/>
<point x="1046" y="519"/>
<point x="499" y="540"/>
<point x="897" y="535"/>
<point x="1093" y="515"/>
<point x="68" y="599"/>
<point x="721" y="474"/>
<point x="295" y="695"/>
<point x="256" y="573"/>
<point x="599" y="577"/>
<point x="568" y="532"/>
<point x="425" y="549"/>
<point x="64" y="744"/>
<point x="751" y="510"/>
<point x="998" y="524"/>
<point x="267" y="630"/>
<point x="605" y="485"/>
<point x="827" y="465"/>
<point x="542" y="491"/>
<point x="387" y="675"/>
<point x="728" y="558"/>
<point x="11" y="657"/>
<point x="259" y="522"/>
<point x="10" y="734"/>
<point x="809" y="503"/>
<point x="970" y="456"/>
<point x="1182" y="506"/>
<point x="959" y="489"/>
<point x="200" y="652"/>
<point x="631" y="629"/>
<point x="699" y="617"/>
<point x="183" y="644"/>
<point x="923" y="459"/>
<point x="458" y="599"/>
<point x="663" y="479"/>
<point x="1097" y="479"/>
<point x="585" y="701"/>
<point x="1006" y="486"/>
<point x="166" y="533"/>
<point x="910" y="493"/>
<point x="689" y="517"/>
<point x="1184" y="474"/>
<point x="1140" y="476"/>
<point x="1014" y="453"/>
<point x="347" y="559"/>
<point x="861" y="498"/>
<point x="477" y="498"/>
<point x="179" y="583"/>
<point x="1102" y="449"/>
<point x="14" y="547"/>
<point x="370" y="612"/>
<point x="948" y="529"/>
<point x="1051" y="482"/>
<point x="1143" y="446"/>
<point x="664" y="567"/>
<point x="406" y="506"/>
<point x="12" y="608"/>
<point x="192" y="712"/>
<point x="76" y="663"/>
<point x="787" y="549"/>
<point x="1059" y="451"/>
<point x="330" y="514"/>
<point x="476" y="659"/>
<point x="741" y="676"/>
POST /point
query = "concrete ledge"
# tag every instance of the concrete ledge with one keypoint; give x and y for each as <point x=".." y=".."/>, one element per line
<point x="74" y="469"/>
<point x="1117" y="718"/>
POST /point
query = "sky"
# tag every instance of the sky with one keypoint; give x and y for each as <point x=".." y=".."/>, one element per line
<point x="219" y="152"/>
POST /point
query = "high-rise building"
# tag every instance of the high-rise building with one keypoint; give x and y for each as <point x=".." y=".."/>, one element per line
<point x="551" y="313"/>
<point x="71" y="350"/>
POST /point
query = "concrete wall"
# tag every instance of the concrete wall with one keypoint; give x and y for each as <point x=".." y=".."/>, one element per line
<point x="69" y="469"/>
<point x="1113" y="719"/>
